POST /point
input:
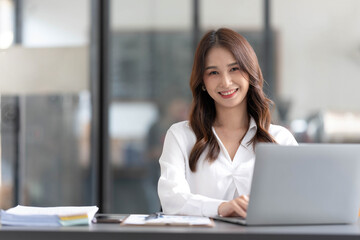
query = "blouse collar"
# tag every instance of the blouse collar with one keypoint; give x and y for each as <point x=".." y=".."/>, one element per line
<point x="249" y="134"/>
<point x="252" y="124"/>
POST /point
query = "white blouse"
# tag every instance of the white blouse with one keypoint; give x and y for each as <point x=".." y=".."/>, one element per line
<point x="200" y="193"/>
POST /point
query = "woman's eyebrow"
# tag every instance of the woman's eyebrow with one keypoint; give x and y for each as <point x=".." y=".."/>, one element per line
<point x="210" y="67"/>
<point x="229" y="65"/>
<point x="232" y="64"/>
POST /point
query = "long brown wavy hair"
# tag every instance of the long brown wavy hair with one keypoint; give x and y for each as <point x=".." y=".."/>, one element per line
<point x="203" y="112"/>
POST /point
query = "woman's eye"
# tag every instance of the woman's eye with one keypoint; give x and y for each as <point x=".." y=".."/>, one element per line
<point x="213" y="73"/>
<point x="234" y="69"/>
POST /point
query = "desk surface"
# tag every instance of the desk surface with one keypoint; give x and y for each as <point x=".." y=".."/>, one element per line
<point x="222" y="231"/>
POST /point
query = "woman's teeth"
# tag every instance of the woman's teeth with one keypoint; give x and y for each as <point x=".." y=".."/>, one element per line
<point x="228" y="92"/>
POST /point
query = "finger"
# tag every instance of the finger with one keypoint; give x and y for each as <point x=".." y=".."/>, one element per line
<point x="238" y="209"/>
<point x="243" y="197"/>
<point x="242" y="202"/>
<point x="226" y="209"/>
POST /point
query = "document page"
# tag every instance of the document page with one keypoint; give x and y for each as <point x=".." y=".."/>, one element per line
<point x="172" y="220"/>
<point x="59" y="211"/>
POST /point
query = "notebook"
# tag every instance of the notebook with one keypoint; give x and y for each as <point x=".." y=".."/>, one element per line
<point x="306" y="184"/>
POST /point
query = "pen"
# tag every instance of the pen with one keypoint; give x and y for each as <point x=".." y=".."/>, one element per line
<point x="153" y="216"/>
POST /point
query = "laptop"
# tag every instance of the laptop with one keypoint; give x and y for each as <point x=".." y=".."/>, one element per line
<point x="306" y="184"/>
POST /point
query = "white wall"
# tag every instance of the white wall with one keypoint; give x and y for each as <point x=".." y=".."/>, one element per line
<point x="239" y="14"/>
<point x="319" y="54"/>
<point x="177" y="14"/>
<point x="151" y="14"/>
<point x="44" y="70"/>
<point x="52" y="23"/>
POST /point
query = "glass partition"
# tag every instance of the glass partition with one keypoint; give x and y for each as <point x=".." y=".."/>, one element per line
<point x="151" y="58"/>
<point x="45" y="107"/>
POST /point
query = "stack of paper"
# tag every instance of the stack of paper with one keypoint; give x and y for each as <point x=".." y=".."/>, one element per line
<point x="48" y="216"/>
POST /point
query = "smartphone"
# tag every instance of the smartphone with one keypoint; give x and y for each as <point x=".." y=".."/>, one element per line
<point x="108" y="218"/>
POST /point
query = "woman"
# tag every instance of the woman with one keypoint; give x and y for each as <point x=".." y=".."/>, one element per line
<point x="207" y="162"/>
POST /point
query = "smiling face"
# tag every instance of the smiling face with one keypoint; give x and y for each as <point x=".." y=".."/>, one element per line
<point x="224" y="81"/>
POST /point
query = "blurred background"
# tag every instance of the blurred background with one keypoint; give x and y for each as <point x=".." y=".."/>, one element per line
<point x="88" y="88"/>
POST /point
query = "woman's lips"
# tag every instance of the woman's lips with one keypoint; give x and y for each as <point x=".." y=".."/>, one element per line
<point x="229" y="93"/>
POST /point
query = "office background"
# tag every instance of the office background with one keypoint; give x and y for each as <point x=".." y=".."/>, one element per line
<point x="89" y="87"/>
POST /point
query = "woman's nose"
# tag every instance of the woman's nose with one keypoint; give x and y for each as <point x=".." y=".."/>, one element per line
<point x="226" y="80"/>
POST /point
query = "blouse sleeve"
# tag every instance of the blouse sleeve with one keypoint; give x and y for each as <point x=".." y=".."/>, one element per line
<point x="174" y="190"/>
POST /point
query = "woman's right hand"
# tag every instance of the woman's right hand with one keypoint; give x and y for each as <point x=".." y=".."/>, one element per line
<point x="234" y="208"/>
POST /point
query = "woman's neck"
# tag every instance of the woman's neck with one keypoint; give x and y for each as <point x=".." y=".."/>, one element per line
<point x="232" y="118"/>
